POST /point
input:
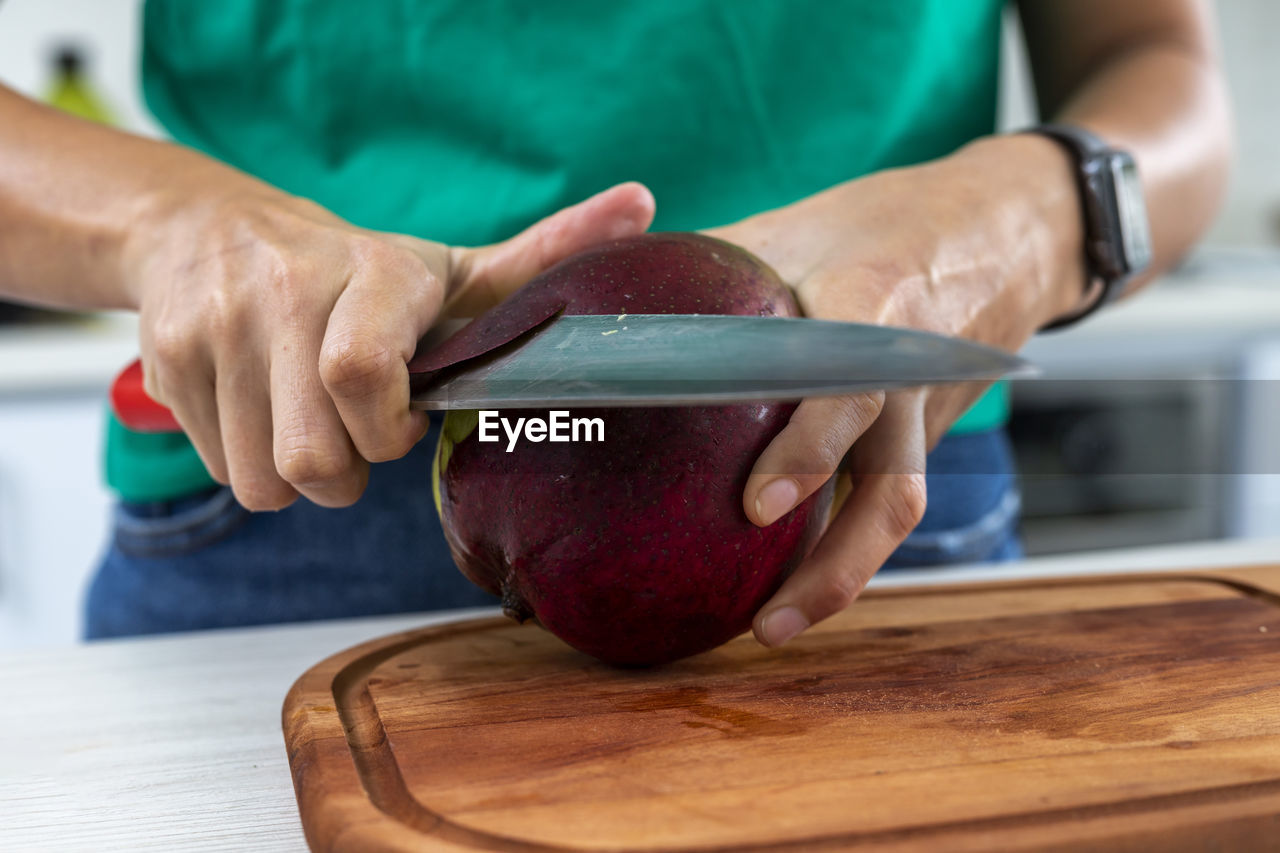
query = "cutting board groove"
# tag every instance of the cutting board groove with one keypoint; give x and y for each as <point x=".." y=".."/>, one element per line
<point x="1101" y="713"/>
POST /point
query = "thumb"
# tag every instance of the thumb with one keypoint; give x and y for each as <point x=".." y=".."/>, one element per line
<point x="487" y="275"/>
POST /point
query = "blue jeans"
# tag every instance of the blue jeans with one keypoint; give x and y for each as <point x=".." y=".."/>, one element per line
<point x="206" y="562"/>
<point x="974" y="505"/>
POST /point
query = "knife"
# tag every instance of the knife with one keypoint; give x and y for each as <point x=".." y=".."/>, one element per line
<point x="670" y="359"/>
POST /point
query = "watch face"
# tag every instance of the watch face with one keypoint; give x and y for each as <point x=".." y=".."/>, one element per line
<point x="1135" y="233"/>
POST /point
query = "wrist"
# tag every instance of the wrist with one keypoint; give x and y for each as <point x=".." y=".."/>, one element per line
<point x="168" y="199"/>
<point x="1035" y="176"/>
<point x="190" y="208"/>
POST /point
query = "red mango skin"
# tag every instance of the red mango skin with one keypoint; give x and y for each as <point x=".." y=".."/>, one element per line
<point x="635" y="550"/>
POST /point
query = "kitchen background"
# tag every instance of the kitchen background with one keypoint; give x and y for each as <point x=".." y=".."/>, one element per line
<point x="1152" y="424"/>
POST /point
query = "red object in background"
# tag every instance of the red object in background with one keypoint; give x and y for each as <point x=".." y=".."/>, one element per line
<point x="135" y="408"/>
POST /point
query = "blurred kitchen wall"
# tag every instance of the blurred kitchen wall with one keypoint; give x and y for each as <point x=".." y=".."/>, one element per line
<point x="107" y="30"/>
<point x="1250" y="217"/>
<point x="1250" y="29"/>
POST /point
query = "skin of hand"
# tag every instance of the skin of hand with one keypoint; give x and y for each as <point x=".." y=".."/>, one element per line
<point x="984" y="244"/>
<point x="278" y="334"/>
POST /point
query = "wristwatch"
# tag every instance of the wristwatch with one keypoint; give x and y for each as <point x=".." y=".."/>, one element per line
<point x="1117" y="237"/>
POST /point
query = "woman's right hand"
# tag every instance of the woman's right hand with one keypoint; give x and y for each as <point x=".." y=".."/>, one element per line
<point x="278" y="334"/>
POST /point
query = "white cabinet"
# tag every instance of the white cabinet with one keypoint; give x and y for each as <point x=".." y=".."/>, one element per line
<point x="54" y="507"/>
<point x="53" y="514"/>
<point x="1259" y="448"/>
<point x="1200" y="350"/>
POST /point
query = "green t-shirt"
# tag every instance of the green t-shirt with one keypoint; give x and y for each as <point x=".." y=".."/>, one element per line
<point x="464" y="121"/>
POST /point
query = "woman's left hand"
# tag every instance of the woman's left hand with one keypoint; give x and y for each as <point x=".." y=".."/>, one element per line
<point x="984" y="244"/>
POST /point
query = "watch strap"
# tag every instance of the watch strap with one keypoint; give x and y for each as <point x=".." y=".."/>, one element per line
<point x="1088" y="152"/>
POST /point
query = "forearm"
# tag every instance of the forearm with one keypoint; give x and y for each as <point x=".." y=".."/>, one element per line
<point x="1144" y="76"/>
<point x="1169" y="109"/>
<point x="72" y="197"/>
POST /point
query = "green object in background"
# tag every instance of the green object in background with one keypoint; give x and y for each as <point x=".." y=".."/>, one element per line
<point x="72" y="91"/>
<point x="142" y="467"/>
<point x="991" y="410"/>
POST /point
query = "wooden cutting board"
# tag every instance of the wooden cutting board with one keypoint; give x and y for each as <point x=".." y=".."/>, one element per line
<point x="1108" y="713"/>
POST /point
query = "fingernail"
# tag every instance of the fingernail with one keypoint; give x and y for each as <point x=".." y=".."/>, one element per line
<point x="782" y="624"/>
<point x="777" y="499"/>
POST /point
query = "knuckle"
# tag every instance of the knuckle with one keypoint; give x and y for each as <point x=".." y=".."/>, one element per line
<point x="845" y="421"/>
<point x="173" y="344"/>
<point x="839" y="591"/>
<point x="860" y="411"/>
<point x="398" y="264"/>
<point x="303" y="463"/>
<point x="292" y="282"/>
<point x="906" y="502"/>
<point x="831" y="448"/>
<point x="226" y="314"/>
<point x="351" y="364"/>
<point x="385" y="257"/>
<point x="372" y="251"/>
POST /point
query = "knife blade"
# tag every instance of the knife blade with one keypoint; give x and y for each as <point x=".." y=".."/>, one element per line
<point x="681" y="359"/>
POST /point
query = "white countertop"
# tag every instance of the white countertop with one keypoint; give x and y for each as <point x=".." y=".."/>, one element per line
<point x="174" y="743"/>
<point x="80" y="353"/>
<point x="1181" y="326"/>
